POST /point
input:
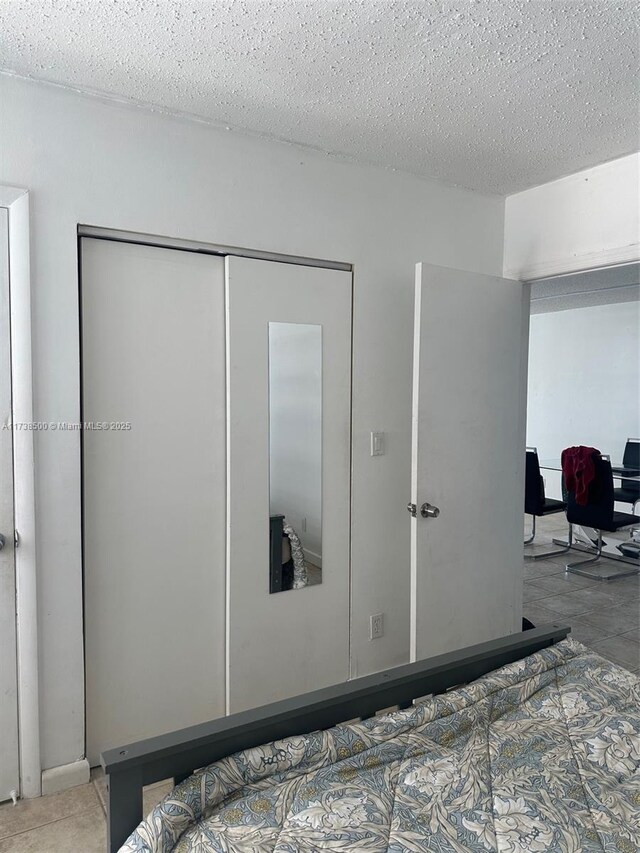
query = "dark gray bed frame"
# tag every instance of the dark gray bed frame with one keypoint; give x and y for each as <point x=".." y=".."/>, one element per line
<point x="276" y="523"/>
<point x="178" y="754"/>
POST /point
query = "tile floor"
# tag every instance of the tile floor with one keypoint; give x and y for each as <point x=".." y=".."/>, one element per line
<point x="72" y="821"/>
<point x="602" y="615"/>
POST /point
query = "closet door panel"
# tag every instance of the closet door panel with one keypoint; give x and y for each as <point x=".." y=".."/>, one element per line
<point x="154" y="492"/>
<point x="287" y="643"/>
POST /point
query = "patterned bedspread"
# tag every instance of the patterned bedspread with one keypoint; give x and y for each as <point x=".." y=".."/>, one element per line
<point x="541" y="755"/>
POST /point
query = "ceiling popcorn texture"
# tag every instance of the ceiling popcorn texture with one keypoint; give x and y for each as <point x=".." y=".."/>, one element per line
<point x="495" y="95"/>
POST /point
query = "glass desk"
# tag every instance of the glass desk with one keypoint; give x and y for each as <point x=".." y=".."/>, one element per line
<point x="612" y="540"/>
<point x="556" y="465"/>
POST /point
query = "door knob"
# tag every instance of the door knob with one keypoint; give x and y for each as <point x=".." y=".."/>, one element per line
<point x="429" y="511"/>
<point x="2" y="541"/>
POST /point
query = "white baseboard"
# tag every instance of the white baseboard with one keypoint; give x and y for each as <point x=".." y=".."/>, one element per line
<point x="314" y="558"/>
<point x="65" y="776"/>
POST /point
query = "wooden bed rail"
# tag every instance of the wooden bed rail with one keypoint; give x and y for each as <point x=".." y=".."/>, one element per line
<point x="177" y="754"/>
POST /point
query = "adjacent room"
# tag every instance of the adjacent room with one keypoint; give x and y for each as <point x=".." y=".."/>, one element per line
<point x="320" y="426"/>
<point x="584" y="390"/>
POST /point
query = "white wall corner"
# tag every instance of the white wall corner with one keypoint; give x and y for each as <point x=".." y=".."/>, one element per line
<point x="584" y="221"/>
<point x="65" y="776"/>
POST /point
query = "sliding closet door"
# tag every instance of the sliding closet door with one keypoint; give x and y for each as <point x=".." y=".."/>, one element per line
<point x="153" y="490"/>
<point x="288" y="386"/>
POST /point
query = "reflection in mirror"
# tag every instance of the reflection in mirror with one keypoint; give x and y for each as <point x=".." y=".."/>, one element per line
<point x="295" y="455"/>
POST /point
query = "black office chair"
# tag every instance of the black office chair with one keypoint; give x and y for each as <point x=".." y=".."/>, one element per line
<point x="599" y="514"/>
<point x="536" y="504"/>
<point x="629" y="491"/>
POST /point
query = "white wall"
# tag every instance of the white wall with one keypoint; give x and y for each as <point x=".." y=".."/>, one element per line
<point x="584" y="381"/>
<point x="295" y="431"/>
<point x="585" y="220"/>
<point x="95" y="163"/>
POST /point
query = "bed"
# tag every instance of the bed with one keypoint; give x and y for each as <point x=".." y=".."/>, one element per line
<point x="527" y="743"/>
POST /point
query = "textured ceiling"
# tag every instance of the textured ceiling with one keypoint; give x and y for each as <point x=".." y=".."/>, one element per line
<point x="496" y="95"/>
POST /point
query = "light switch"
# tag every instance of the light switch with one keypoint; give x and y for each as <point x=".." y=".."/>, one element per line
<point x="377" y="444"/>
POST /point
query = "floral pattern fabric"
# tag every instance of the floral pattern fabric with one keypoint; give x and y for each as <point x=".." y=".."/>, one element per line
<point x="540" y="755"/>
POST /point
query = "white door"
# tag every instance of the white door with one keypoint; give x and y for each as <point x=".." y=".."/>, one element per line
<point x="285" y="643"/>
<point x="469" y="413"/>
<point x="9" y="772"/>
<point x="153" y="490"/>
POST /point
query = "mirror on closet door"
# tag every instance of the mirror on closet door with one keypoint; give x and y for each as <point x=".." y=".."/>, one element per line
<point x="295" y="455"/>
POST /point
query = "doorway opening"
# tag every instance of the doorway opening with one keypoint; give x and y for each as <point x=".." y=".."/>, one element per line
<point x="584" y="390"/>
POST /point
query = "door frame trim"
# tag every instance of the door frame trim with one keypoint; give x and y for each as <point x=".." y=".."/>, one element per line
<point x="586" y="262"/>
<point x="16" y="201"/>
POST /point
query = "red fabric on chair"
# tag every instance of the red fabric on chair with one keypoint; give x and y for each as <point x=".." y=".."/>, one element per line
<point x="578" y="470"/>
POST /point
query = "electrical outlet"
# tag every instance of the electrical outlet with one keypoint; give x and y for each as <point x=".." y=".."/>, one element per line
<point x="303" y="525"/>
<point x="376" y="626"/>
